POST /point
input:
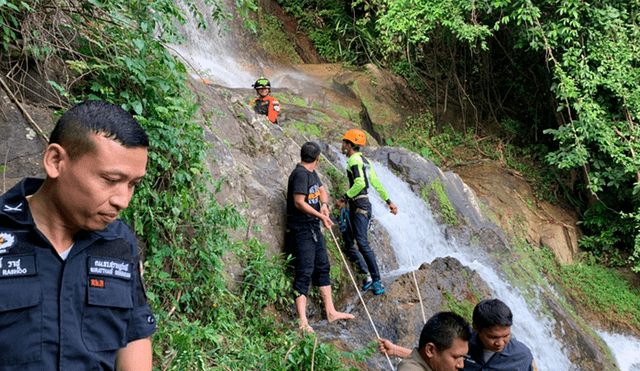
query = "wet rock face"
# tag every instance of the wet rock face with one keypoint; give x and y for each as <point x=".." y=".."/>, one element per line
<point x="254" y="158"/>
<point x="583" y="347"/>
<point x="398" y="314"/>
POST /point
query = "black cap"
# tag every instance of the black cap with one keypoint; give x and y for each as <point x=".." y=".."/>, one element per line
<point x="309" y="152"/>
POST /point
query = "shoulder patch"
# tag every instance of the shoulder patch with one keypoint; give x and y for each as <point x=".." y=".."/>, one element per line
<point x="7" y="240"/>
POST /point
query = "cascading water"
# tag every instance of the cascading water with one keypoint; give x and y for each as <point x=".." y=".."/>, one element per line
<point x="417" y="238"/>
<point x="213" y="53"/>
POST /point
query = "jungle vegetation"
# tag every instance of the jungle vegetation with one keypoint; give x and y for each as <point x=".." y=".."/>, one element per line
<point x="116" y="50"/>
<point x="558" y="79"/>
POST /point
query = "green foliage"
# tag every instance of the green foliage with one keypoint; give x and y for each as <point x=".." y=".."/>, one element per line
<point x="463" y="308"/>
<point x="264" y="282"/>
<point x="338" y="179"/>
<point x="607" y="231"/>
<point x="10" y="20"/>
<point x="415" y="135"/>
<point x="446" y="208"/>
<point x="346" y="113"/>
<point x="337" y="33"/>
<point x="595" y="287"/>
<point x="186" y="232"/>
<point x="449" y="147"/>
<point x="404" y="23"/>
<point x="306" y="129"/>
<point x="275" y="41"/>
<point x="518" y="69"/>
<point x="299" y="101"/>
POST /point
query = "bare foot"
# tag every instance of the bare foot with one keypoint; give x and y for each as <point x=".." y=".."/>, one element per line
<point x="338" y="315"/>
<point x="306" y="328"/>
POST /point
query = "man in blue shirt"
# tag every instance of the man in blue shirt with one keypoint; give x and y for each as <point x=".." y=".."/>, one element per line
<point x="491" y="346"/>
<point x="71" y="292"/>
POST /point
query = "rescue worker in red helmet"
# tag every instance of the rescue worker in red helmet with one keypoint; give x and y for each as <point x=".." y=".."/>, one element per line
<point x="361" y="174"/>
<point x="265" y="104"/>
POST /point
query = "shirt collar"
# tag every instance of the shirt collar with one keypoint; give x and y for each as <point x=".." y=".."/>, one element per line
<point x="14" y="205"/>
<point x="477" y="348"/>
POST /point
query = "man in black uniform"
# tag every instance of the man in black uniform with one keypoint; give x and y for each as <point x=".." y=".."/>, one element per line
<point x="71" y="294"/>
<point x="306" y="205"/>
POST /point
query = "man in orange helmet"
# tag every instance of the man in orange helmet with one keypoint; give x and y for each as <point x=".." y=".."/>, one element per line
<point x="265" y="104"/>
<point x="360" y="174"/>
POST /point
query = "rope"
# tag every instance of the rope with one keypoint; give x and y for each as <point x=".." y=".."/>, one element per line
<point x="413" y="273"/>
<point x="415" y="280"/>
<point x="344" y="261"/>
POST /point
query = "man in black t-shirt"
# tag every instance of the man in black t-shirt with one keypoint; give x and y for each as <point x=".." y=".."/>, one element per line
<point x="306" y="206"/>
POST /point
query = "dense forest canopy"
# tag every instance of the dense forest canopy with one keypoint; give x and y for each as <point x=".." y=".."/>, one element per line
<point x="559" y="76"/>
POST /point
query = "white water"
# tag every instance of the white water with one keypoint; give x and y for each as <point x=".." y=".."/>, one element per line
<point x="212" y="53"/>
<point x="417" y="238"/>
<point x="425" y="241"/>
<point x="625" y="349"/>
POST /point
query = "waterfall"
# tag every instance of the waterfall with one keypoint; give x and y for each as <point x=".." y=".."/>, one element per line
<point x="213" y="54"/>
<point x="625" y="349"/>
<point x="417" y="238"/>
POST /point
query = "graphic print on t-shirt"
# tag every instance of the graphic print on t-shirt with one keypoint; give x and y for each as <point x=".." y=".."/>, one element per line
<point x="314" y="195"/>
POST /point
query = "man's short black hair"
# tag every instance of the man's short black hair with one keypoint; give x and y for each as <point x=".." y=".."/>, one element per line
<point x="309" y="152"/>
<point x="442" y="329"/>
<point x="491" y="312"/>
<point x="74" y="128"/>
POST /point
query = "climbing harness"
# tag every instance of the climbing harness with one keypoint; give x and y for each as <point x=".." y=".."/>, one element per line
<point x="353" y="279"/>
<point x="343" y="220"/>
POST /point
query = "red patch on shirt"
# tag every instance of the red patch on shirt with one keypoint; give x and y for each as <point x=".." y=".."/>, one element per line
<point x="95" y="282"/>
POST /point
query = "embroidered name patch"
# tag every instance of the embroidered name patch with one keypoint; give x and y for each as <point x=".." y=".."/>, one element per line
<point x="7" y="240"/>
<point x="110" y="267"/>
<point x="17" y="265"/>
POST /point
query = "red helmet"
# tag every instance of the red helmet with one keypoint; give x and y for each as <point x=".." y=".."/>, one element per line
<point x="355" y="136"/>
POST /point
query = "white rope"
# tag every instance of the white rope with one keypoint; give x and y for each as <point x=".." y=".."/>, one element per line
<point x="344" y="261"/>
<point x="413" y="272"/>
<point x="415" y="280"/>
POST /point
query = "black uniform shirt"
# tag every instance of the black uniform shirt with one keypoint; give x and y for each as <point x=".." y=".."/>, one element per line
<point x="71" y="314"/>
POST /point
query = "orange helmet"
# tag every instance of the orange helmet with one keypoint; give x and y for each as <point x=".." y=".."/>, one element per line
<point x="355" y="136"/>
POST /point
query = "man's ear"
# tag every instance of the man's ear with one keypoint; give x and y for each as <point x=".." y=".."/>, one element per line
<point x="430" y="350"/>
<point x="53" y="160"/>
